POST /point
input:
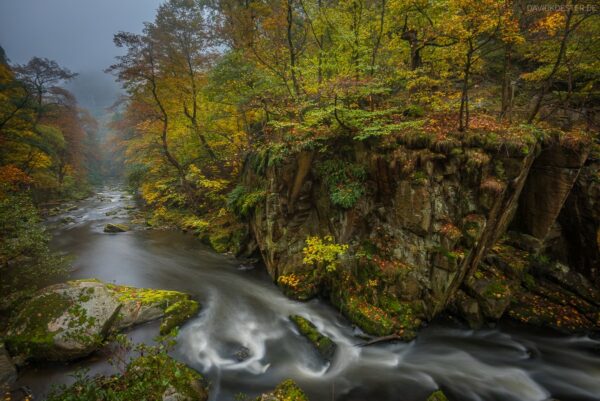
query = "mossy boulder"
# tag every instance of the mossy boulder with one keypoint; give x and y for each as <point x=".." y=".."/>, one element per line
<point x="177" y="314"/>
<point x="63" y="321"/>
<point x="324" y="345"/>
<point x="141" y="305"/>
<point x="370" y="318"/>
<point x="437" y="396"/>
<point x="71" y="320"/>
<point x="115" y="228"/>
<point x="285" y="391"/>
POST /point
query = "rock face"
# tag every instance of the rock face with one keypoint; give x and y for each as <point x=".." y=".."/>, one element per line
<point x="424" y="220"/>
<point x="71" y="320"/>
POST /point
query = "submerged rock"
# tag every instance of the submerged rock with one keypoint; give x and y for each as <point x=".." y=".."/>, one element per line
<point x="322" y="343"/>
<point x="71" y="320"/>
<point x="285" y="391"/>
<point x="67" y="220"/>
<point x="115" y="228"/>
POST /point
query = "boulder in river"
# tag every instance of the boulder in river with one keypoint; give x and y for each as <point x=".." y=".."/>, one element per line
<point x="322" y="343"/>
<point x="63" y="321"/>
<point x="285" y="391"/>
<point x="115" y="228"/>
<point x="71" y="320"/>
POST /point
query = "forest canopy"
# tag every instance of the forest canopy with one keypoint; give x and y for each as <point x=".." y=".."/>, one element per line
<point x="207" y="81"/>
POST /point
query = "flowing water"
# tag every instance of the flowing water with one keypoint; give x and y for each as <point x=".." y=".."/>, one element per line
<point x="244" y="313"/>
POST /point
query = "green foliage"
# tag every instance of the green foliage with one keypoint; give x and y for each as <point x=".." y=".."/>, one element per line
<point x="145" y="377"/>
<point x="344" y="180"/>
<point x="26" y="262"/>
<point x="242" y="201"/>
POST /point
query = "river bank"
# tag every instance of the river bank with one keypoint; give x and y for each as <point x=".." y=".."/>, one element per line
<point x="244" y="311"/>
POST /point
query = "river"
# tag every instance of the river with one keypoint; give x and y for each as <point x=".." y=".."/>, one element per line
<point x="243" y="310"/>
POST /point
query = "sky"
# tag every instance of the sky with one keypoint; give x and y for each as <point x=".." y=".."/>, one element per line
<point x="75" y="33"/>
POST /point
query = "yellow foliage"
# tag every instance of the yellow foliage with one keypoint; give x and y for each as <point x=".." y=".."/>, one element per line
<point x="323" y="252"/>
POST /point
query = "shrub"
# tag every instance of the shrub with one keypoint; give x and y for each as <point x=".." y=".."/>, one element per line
<point x="345" y="182"/>
<point x="323" y="252"/>
<point x="242" y="201"/>
<point x="26" y="262"/>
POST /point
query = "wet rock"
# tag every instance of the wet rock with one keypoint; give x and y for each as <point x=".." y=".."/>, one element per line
<point x="8" y="372"/>
<point x="63" y="321"/>
<point x="115" y="228"/>
<point x="112" y="212"/>
<point x="67" y="220"/>
<point x="177" y="313"/>
<point x="285" y="391"/>
<point x="242" y="354"/>
<point x="492" y="294"/>
<point x="324" y="345"/>
<point x="468" y="309"/>
<point x="71" y="208"/>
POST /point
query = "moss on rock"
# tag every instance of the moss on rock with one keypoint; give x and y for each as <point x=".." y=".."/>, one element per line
<point x="177" y="314"/>
<point x="115" y="228"/>
<point x="370" y="318"/>
<point x="437" y="396"/>
<point x="141" y="305"/>
<point x="322" y="343"/>
<point x="63" y="321"/>
<point x="285" y="391"/>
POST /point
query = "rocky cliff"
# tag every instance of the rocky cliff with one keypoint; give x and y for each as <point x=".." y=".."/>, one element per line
<point x="452" y="222"/>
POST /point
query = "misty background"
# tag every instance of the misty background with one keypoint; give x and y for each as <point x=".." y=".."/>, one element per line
<point x="78" y="35"/>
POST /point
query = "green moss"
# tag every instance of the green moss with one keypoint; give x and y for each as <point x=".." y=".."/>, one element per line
<point x="178" y="313"/>
<point x="219" y="241"/>
<point x="146" y="378"/>
<point x="437" y="396"/>
<point x="323" y="344"/>
<point x="419" y="178"/>
<point x="289" y="391"/>
<point x="370" y="318"/>
<point x="146" y="296"/>
<point x="36" y="315"/>
<point x="115" y="228"/>
<point x="404" y="313"/>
